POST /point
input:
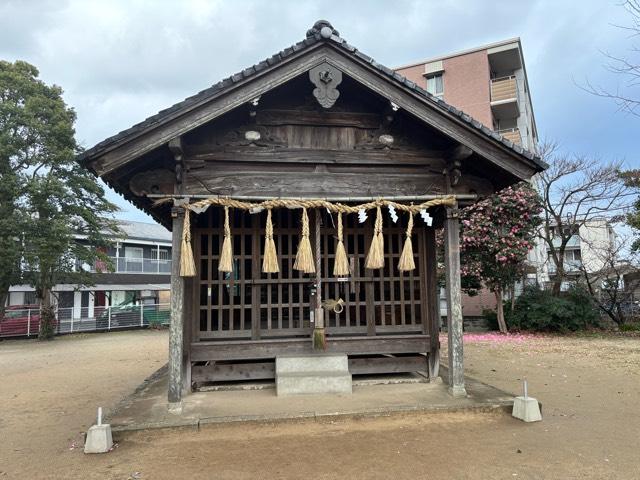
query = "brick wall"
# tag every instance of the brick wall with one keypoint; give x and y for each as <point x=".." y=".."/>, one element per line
<point x="466" y="84"/>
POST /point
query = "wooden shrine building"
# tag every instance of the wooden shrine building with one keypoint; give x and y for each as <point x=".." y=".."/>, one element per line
<point x="322" y="123"/>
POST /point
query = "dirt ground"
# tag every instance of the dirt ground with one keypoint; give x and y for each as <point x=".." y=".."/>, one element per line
<point x="589" y="388"/>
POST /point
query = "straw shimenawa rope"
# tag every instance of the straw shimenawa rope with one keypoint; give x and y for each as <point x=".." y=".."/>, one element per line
<point x="187" y="266"/>
<point x="375" y="257"/>
<point x="406" y="262"/>
<point x="341" y="262"/>
<point x="226" y="255"/>
<point x="270" y="259"/>
<point x="304" y="257"/>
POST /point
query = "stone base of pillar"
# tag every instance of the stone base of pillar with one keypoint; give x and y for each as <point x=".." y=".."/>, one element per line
<point x="457" y="391"/>
<point x="175" y="407"/>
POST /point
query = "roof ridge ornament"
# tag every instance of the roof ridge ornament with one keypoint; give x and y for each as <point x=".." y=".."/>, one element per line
<point x="322" y="28"/>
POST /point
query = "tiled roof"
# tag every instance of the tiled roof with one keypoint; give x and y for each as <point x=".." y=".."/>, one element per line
<point x="144" y="231"/>
<point x="322" y="31"/>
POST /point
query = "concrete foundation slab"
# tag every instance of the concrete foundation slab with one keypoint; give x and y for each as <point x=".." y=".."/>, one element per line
<point x="146" y="408"/>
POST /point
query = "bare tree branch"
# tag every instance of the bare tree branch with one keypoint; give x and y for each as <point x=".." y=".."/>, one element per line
<point x="575" y="191"/>
<point x="627" y="69"/>
<point x="613" y="283"/>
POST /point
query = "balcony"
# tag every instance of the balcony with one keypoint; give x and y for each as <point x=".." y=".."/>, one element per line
<point x="132" y="265"/>
<point x="574" y="242"/>
<point x="570" y="267"/>
<point x="512" y="134"/>
<point x="504" y="97"/>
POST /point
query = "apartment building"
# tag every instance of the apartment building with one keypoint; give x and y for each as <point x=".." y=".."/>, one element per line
<point x="487" y="82"/>
<point x="588" y="250"/>
<point x="140" y="273"/>
<point x="490" y="84"/>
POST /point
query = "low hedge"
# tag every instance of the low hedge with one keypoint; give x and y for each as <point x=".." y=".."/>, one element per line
<point x="538" y="310"/>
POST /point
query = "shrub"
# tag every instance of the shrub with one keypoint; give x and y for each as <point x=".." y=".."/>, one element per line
<point x="539" y="310"/>
<point x="630" y="327"/>
<point x="157" y="319"/>
<point x="491" y="317"/>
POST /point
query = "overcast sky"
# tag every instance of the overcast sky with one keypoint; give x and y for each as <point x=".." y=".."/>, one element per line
<point x="120" y="61"/>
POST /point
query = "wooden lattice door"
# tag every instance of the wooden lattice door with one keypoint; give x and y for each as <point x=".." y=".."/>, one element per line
<point x="381" y="301"/>
<point x="249" y="304"/>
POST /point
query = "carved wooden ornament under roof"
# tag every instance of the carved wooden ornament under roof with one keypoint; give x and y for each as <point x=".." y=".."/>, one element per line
<point x="326" y="78"/>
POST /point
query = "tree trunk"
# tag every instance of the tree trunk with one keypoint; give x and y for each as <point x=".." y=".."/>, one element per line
<point x="513" y="296"/>
<point x="47" y="316"/>
<point x="4" y="295"/>
<point x="502" y="325"/>
<point x="559" y="277"/>
<point x="557" y="284"/>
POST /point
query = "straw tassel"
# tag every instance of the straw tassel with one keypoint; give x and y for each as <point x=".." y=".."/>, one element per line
<point x="375" y="257"/>
<point x="187" y="264"/>
<point x="304" y="257"/>
<point x="226" y="255"/>
<point x="341" y="264"/>
<point x="406" y="262"/>
<point x="270" y="259"/>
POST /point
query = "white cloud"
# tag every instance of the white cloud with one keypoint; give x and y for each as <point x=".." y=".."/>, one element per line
<point x="120" y="61"/>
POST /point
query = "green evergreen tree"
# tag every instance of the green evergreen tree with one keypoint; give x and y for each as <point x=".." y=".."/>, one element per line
<point x="497" y="234"/>
<point x="47" y="196"/>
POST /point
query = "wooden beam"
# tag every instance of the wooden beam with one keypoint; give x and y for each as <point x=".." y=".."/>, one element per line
<point x="276" y="117"/>
<point x="373" y="365"/>
<point x="317" y="184"/>
<point x="205" y="153"/>
<point x="270" y="348"/>
<point x="176" y="147"/>
<point x="217" y="372"/>
<point x="454" y="303"/>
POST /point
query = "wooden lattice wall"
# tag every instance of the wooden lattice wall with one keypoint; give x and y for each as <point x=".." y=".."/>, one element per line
<point x="249" y="304"/>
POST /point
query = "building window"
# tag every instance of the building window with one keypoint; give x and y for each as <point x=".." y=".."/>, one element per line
<point x="435" y="85"/>
<point x="161" y="255"/>
<point x="133" y="259"/>
<point x="577" y="255"/>
<point x="30" y="298"/>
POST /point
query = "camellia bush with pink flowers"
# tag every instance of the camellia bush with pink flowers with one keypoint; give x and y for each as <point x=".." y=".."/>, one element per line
<point x="496" y="236"/>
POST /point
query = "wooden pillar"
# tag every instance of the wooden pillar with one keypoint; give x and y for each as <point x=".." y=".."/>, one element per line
<point x="176" y="329"/>
<point x="454" y="303"/>
<point x="433" y="304"/>
<point x="187" y="332"/>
